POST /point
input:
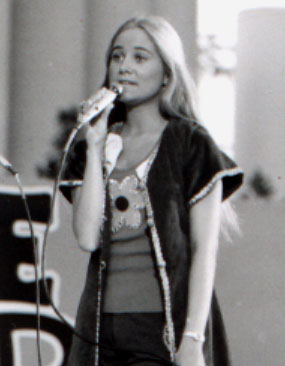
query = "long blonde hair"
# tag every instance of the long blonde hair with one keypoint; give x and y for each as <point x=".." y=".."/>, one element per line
<point x="178" y="96"/>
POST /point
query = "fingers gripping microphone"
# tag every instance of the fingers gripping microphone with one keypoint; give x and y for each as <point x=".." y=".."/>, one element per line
<point x="98" y="102"/>
<point x="7" y="165"/>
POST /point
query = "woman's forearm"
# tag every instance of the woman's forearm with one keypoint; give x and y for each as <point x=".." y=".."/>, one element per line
<point x="200" y="290"/>
<point x="205" y="220"/>
<point x="88" y="202"/>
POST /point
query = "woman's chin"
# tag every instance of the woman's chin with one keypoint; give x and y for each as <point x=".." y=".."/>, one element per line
<point x="129" y="101"/>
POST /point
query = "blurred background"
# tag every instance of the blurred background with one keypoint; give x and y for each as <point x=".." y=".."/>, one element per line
<point x="52" y="58"/>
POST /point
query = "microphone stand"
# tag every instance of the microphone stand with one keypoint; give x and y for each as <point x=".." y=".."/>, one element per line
<point x="8" y="166"/>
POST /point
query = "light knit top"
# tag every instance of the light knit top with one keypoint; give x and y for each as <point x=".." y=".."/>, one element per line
<point x="132" y="284"/>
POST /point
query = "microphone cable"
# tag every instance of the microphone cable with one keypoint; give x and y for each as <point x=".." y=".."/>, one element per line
<point x="8" y="166"/>
<point x="56" y="184"/>
<point x="65" y="152"/>
<point x="88" y="110"/>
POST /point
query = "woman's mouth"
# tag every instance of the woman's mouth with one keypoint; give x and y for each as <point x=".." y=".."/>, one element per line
<point x="127" y="82"/>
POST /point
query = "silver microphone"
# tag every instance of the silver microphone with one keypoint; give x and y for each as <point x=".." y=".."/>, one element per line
<point x="7" y="165"/>
<point x="98" y="102"/>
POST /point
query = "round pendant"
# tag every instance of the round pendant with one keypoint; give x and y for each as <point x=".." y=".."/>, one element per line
<point x="122" y="203"/>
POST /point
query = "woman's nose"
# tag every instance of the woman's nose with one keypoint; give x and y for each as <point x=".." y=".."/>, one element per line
<point x="124" y="70"/>
<point x="125" y="67"/>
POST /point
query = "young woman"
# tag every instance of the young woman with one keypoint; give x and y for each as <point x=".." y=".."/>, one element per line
<point x="146" y="195"/>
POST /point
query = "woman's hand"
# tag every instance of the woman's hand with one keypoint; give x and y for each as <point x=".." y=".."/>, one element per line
<point x="190" y="353"/>
<point x="97" y="129"/>
<point x="88" y="200"/>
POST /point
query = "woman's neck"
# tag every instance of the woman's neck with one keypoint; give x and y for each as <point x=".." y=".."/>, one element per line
<point x="144" y="118"/>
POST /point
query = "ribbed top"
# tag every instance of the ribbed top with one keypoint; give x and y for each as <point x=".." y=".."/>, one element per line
<point x="132" y="285"/>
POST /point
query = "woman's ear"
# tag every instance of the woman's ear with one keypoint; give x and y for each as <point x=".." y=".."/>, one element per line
<point x="165" y="81"/>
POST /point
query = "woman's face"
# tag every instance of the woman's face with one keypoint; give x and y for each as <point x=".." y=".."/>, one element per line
<point x="137" y="66"/>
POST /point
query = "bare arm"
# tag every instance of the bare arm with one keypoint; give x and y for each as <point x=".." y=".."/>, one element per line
<point x="205" y="221"/>
<point x="205" y="226"/>
<point x="88" y="201"/>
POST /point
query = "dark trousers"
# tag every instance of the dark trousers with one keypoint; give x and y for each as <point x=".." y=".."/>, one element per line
<point x="133" y="339"/>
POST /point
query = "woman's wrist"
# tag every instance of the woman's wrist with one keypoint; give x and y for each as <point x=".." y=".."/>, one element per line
<point x="189" y="332"/>
<point x="195" y="336"/>
<point x="95" y="149"/>
<point x="95" y="156"/>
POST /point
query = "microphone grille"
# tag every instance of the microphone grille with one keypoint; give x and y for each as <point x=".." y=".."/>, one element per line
<point x="116" y="88"/>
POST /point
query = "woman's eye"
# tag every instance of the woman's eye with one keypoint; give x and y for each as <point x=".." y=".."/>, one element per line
<point x="140" y="58"/>
<point x="117" y="57"/>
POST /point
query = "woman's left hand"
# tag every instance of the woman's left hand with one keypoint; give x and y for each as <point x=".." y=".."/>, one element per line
<point x="190" y="353"/>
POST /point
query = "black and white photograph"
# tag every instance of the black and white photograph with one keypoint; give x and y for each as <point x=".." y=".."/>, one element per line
<point x="142" y="192"/>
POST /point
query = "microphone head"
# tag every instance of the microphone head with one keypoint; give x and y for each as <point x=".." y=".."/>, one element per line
<point x="7" y="165"/>
<point x="116" y="88"/>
